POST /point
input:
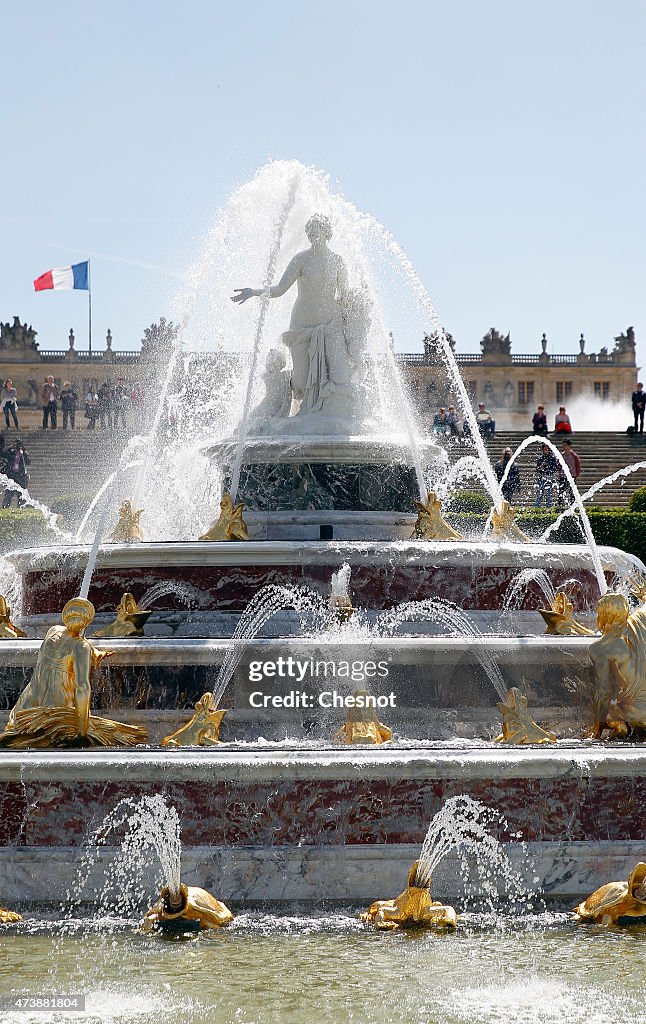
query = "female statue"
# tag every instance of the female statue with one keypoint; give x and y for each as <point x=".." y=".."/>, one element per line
<point x="619" y="660"/>
<point x="323" y="356"/>
<point x="54" y="708"/>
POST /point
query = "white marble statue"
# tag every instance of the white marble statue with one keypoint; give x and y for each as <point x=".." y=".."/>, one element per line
<point x="326" y="334"/>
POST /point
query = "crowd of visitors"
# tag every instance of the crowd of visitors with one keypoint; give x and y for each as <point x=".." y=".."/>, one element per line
<point x="108" y="405"/>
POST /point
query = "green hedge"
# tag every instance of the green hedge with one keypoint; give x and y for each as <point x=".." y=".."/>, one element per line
<point x="637" y="501"/>
<point x="614" y="527"/>
<point x="23" y="527"/>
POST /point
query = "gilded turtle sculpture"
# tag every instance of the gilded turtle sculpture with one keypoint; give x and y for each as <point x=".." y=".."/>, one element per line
<point x="412" y="908"/>
<point x="616" y="900"/>
<point x="9" y="916"/>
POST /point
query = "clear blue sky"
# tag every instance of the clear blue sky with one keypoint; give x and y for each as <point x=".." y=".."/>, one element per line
<point x="501" y="142"/>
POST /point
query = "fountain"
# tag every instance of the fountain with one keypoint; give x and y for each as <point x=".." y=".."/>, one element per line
<point x="308" y="445"/>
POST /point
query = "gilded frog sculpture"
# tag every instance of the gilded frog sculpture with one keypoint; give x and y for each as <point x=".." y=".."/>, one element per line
<point x="560" y="618"/>
<point x="518" y="727"/>
<point x="128" y="529"/>
<point x="430" y="524"/>
<point x="130" y="619"/>
<point x="203" y="730"/>
<point x="619" y="662"/>
<point x="362" y="725"/>
<point x="8" y="629"/>
<point x="230" y="525"/>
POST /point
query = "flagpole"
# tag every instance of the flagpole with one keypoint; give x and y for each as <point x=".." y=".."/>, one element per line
<point x="89" y="312"/>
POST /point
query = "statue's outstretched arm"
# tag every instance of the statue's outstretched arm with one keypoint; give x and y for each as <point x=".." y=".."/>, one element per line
<point x="292" y="272"/>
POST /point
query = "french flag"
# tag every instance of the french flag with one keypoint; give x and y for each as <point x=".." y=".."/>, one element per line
<point x="76" y="276"/>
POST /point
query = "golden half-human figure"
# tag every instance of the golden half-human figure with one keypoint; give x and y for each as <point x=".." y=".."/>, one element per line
<point x="619" y="662"/>
<point x="54" y="708"/>
<point x="191" y="903"/>
<point x="413" y="907"/>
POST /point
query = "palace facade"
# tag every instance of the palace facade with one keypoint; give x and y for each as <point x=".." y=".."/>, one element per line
<point x="510" y="385"/>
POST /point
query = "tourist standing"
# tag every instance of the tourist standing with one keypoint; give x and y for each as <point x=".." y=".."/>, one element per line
<point x="539" y="422"/>
<point x="485" y="421"/>
<point x="17" y="461"/>
<point x="511" y="486"/>
<point x="48" y="397"/>
<point x="562" y="423"/>
<point x="452" y="421"/>
<point x="546" y="469"/>
<point x="9" y="402"/>
<point x="91" y="406"/>
<point x="573" y="463"/>
<point x="69" y="398"/>
<point x="639" y="404"/>
<point x="105" y="403"/>
<point x="440" y="426"/>
<point x="119" y="399"/>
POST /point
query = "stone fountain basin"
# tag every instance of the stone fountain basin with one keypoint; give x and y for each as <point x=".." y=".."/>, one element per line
<point x="295" y="824"/>
<point x="225" y="576"/>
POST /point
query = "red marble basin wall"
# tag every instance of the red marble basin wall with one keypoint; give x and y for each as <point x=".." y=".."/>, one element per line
<point x="230" y="588"/>
<point x="326" y="812"/>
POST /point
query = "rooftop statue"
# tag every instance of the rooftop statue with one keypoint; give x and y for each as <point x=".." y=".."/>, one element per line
<point x="494" y="343"/>
<point x="54" y="708"/>
<point x="327" y="329"/>
<point x="619" y="661"/>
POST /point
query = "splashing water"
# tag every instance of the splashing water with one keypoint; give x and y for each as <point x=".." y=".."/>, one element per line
<point x="590" y="493"/>
<point x="265" y="603"/>
<point x="51" y="519"/>
<point x="463" y="827"/>
<point x="585" y="522"/>
<point x="519" y="585"/>
<point x="184" y="591"/>
<point x="262" y="316"/>
<point x="340" y="586"/>
<point x="143" y="826"/>
<point x="447" y="614"/>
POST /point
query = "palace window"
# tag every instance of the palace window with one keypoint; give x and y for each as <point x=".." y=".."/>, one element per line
<point x="602" y="389"/>
<point x="525" y="392"/>
<point x="563" y="390"/>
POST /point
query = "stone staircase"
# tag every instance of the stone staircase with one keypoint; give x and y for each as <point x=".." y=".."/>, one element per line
<point x="601" y="454"/>
<point x="76" y="462"/>
<point x="68" y="464"/>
